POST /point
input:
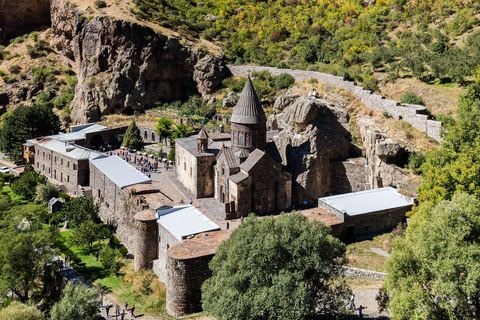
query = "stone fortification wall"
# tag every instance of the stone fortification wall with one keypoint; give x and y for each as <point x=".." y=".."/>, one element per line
<point x="417" y="116"/>
<point x="165" y="241"/>
<point x="185" y="278"/>
<point x="350" y="175"/>
<point x="355" y="273"/>
<point x="145" y="243"/>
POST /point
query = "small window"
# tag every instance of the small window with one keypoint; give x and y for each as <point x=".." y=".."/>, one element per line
<point x="190" y="171"/>
<point x="68" y="164"/>
<point x="55" y="159"/>
<point x="44" y="154"/>
<point x="168" y="246"/>
<point x="61" y="162"/>
<point x="49" y="156"/>
<point x="48" y="170"/>
<point x="74" y="166"/>
<point x="68" y="178"/>
<point x="43" y="167"/>
<point x="38" y="165"/>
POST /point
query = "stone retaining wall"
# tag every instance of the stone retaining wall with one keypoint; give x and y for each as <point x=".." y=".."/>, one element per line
<point x="354" y="273"/>
<point x="416" y="115"/>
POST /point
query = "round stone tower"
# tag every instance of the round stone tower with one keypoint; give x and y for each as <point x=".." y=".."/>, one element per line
<point x="249" y="123"/>
<point x="145" y="240"/>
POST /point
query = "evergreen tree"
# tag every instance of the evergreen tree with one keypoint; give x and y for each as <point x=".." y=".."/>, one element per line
<point x="133" y="138"/>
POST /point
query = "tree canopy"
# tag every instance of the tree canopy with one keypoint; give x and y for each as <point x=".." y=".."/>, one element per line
<point x="434" y="272"/>
<point x="27" y="122"/>
<point x="81" y="209"/>
<point x="19" y="311"/>
<point x="133" y="138"/>
<point x="77" y="302"/>
<point x="276" y="268"/>
<point x="164" y="127"/>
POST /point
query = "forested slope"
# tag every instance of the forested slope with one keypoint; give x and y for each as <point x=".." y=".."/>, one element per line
<point x="355" y="38"/>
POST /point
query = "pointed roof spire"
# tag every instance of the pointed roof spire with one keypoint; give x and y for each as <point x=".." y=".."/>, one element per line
<point x="248" y="109"/>
<point x="202" y="135"/>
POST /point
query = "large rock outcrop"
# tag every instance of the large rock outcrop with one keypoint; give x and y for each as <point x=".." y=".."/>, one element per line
<point x="124" y="67"/>
<point x="385" y="157"/>
<point x="310" y="141"/>
<point x="16" y="14"/>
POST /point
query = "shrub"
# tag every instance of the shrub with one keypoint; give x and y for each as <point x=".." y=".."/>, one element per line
<point x="410" y="97"/>
<point x="415" y="161"/>
<point x="34" y="36"/>
<point x="15" y="69"/>
<point x="283" y="81"/>
<point x="370" y="83"/>
<point x="100" y="4"/>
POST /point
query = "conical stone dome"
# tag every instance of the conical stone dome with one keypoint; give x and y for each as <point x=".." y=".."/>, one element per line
<point x="248" y="109"/>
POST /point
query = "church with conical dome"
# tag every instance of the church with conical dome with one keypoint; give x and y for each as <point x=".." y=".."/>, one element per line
<point x="242" y="169"/>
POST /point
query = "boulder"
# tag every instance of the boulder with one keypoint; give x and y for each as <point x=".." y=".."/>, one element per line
<point x="208" y="73"/>
<point x="231" y="100"/>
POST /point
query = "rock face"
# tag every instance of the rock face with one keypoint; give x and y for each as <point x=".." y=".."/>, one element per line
<point x="15" y="14"/>
<point x="384" y="157"/>
<point x="124" y="67"/>
<point x="311" y="139"/>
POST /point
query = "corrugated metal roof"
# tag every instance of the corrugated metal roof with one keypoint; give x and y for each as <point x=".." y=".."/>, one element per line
<point x="70" y="150"/>
<point x="183" y="221"/>
<point x="79" y="134"/>
<point x="362" y="202"/>
<point x="119" y="171"/>
<point x="248" y="110"/>
<point x="252" y="160"/>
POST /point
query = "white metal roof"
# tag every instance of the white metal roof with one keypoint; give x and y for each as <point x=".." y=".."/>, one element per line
<point x="71" y="150"/>
<point x="79" y="134"/>
<point x="362" y="202"/>
<point x="183" y="221"/>
<point x="119" y="171"/>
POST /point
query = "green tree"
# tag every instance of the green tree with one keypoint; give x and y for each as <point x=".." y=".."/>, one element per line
<point x="25" y="255"/>
<point x="45" y="192"/>
<point x="133" y="138"/>
<point x="26" y="185"/>
<point x="26" y="122"/>
<point x="433" y="272"/>
<point x="410" y="97"/>
<point x="78" y="302"/>
<point x="164" y="127"/>
<point x="85" y="234"/>
<point x="108" y="259"/>
<point x="280" y="268"/>
<point x="181" y="131"/>
<point x="81" y="209"/>
<point x="19" y="311"/>
<point x="283" y="81"/>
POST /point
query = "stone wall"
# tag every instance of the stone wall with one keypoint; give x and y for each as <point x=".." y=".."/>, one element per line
<point x="165" y="241"/>
<point x="349" y="175"/>
<point x="355" y="273"/>
<point x="149" y="135"/>
<point x="416" y="115"/>
<point x="376" y="221"/>
<point x="145" y="243"/>
<point x="185" y="278"/>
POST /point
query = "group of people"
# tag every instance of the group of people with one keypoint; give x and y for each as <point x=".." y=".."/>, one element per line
<point x="352" y="307"/>
<point x="67" y="260"/>
<point x="120" y="312"/>
<point x="143" y="163"/>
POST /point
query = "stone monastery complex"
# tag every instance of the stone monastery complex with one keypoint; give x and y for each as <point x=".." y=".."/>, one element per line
<point x="240" y="171"/>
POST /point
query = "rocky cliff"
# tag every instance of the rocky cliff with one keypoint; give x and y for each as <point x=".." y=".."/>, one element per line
<point x="16" y="14"/>
<point x="124" y="67"/>
<point x="311" y="139"/>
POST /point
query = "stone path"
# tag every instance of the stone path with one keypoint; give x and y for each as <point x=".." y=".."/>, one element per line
<point x="380" y="252"/>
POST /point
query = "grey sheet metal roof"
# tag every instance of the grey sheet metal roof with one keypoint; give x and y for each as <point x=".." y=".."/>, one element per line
<point x="236" y="178"/>
<point x="70" y="150"/>
<point x="362" y="202"/>
<point x="119" y="171"/>
<point x="184" y="221"/>
<point x="252" y="160"/>
<point x="79" y="134"/>
<point x="248" y="110"/>
<point x="190" y="144"/>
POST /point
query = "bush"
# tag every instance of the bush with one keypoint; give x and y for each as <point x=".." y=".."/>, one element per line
<point x="370" y="83"/>
<point x="34" y="36"/>
<point x="283" y="81"/>
<point x="15" y="69"/>
<point x="410" y="97"/>
<point x="100" y="4"/>
<point x="108" y="259"/>
<point x="415" y="161"/>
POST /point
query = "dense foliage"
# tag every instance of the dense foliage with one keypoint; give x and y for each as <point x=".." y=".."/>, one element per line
<point x="78" y="302"/>
<point x="19" y="311"/>
<point x="276" y="268"/>
<point x="133" y="138"/>
<point x="433" y="272"/>
<point x="332" y="35"/>
<point x="26" y="122"/>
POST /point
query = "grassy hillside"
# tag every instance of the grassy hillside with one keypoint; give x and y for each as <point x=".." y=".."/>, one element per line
<point x="429" y="40"/>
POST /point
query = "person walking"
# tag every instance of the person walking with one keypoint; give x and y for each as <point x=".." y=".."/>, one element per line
<point x="107" y="309"/>
<point x="126" y="306"/>
<point x="360" y="309"/>
<point x="101" y="300"/>
<point x="122" y="315"/>
<point x="228" y="225"/>
<point x="132" y="316"/>
<point x="352" y="303"/>
<point x="96" y="255"/>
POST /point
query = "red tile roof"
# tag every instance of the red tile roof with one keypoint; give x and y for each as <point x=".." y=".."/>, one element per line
<point x="322" y="215"/>
<point x="145" y="215"/>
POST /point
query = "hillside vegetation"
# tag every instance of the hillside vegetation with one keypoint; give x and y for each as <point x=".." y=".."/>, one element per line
<point x="351" y="38"/>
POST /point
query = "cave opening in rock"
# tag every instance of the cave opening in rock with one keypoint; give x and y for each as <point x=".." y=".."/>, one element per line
<point x="129" y="111"/>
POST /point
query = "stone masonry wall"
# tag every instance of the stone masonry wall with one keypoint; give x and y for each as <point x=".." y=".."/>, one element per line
<point x="376" y="221"/>
<point x="349" y="176"/>
<point x="145" y="244"/>
<point x="413" y="114"/>
<point x="165" y="241"/>
<point x="185" y="278"/>
<point x="355" y="273"/>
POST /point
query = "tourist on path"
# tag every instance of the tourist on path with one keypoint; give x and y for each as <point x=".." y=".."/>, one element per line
<point x="132" y="316"/>
<point x="122" y="315"/>
<point x="360" y="315"/>
<point x="107" y="309"/>
<point x="352" y="303"/>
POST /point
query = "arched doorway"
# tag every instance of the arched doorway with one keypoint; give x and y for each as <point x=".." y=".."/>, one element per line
<point x="153" y="136"/>
<point x="96" y="141"/>
<point x="145" y="136"/>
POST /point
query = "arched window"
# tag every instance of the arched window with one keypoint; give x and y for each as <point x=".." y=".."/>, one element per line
<point x="145" y="135"/>
<point x="153" y="136"/>
<point x="240" y="142"/>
